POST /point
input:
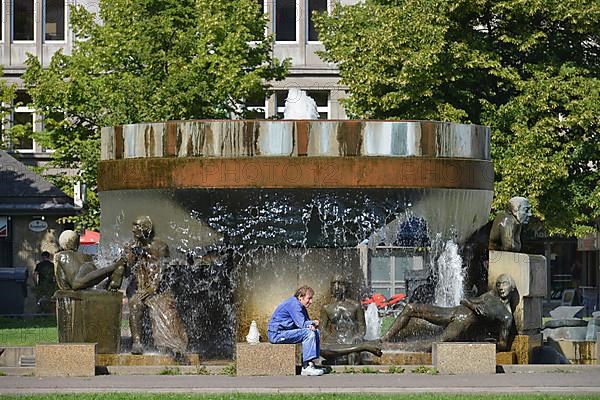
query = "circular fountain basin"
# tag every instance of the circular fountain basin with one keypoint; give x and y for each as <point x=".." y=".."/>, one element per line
<point x="294" y="200"/>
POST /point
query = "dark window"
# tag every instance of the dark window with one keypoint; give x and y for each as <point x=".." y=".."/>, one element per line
<point x="54" y="26"/>
<point x="22" y="98"/>
<point x="285" y="20"/>
<point x="256" y="108"/>
<point x="317" y="6"/>
<point x="321" y="97"/>
<point x="23" y="20"/>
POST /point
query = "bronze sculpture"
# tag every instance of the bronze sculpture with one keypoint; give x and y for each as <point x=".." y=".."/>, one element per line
<point x="505" y="234"/>
<point x="343" y="327"/>
<point x="76" y="271"/>
<point x="492" y="310"/>
<point x="145" y="257"/>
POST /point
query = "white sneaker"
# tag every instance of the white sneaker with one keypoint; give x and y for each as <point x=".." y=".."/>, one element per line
<point x="311" y="370"/>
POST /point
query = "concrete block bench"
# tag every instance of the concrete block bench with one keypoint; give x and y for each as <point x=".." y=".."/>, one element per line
<point x="267" y="359"/>
<point x="464" y="358"/>
<point x="65" y="359"/>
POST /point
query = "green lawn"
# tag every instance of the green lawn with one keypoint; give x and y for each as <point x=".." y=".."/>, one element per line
<point x="27" y="331"/>
<point x="244" y="396"/>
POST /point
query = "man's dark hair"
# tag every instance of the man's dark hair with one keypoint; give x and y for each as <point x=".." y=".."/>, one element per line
<point x="303" y="290"/>
<point x="45" y="254"/>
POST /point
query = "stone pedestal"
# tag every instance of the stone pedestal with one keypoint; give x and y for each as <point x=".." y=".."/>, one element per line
<point x="267" y="359"/>
<point x="73" y="359"/>
<point x="529" y="274"/>
<point x="90" y="316"/>
<point x="523" y="346"/>
<point x="464" y="358"/>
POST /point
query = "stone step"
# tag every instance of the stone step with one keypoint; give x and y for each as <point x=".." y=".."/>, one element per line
<point x="27" y="361"/>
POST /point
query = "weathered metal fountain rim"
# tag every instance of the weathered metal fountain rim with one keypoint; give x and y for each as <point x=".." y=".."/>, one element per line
<point x="295" y="173"/>
<point x="296" y="138"/>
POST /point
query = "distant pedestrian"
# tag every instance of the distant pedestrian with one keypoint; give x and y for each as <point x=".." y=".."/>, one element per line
<point x="45" y="283"/>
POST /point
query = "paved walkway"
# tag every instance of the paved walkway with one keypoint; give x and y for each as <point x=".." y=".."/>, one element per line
<point x="552" y="379"/>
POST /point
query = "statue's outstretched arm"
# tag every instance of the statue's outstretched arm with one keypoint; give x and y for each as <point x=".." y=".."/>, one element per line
<point x="94" y="277"/>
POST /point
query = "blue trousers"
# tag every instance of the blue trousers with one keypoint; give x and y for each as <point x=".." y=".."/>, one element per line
<point x="311" y="341"/>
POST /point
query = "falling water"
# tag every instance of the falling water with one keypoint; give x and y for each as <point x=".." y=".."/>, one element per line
<point x="449" y="288"/>
<point x="373" y="323"/>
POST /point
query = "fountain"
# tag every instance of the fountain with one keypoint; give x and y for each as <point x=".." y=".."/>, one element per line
<point x="251" y="210"/>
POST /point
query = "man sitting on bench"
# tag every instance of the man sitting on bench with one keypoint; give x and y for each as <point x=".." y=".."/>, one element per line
<point x="291" y="324"/>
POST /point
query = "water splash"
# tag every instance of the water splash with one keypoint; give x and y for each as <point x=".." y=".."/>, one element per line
<point x="450" y="275"/>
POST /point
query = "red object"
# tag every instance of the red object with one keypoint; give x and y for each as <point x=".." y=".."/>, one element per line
<point x="381" y="302"/>
<point x="89" y="237"/>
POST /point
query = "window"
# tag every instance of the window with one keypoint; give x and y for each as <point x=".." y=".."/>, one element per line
<point x="321" y="97"/>
<point x="54" y="20"/>
<point x="256" y="108"/>
<point x="388" y="272"/>
<point x="285" y="20"/>
<point x="22" y="122"/>
<point x="23" y="20"/>
<point x="316" y="6"/>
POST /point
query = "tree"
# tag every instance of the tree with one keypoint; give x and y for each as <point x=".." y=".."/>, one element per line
<point x="149" y="60"/>
<point x="529" y="70"/>
<point x="7" y="97"/>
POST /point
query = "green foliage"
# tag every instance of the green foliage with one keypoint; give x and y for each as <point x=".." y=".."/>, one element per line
<point x="202" y="370"/>
<point x="7" y="97"/>
<point x="529" y="70"/>
<point x="422" y="369"/>
<point x="149" y="60"/>
<point x="230" y="369"/>
<point x="395" y="369"/>
<point x="170" y="371"/>
<point x="369" y="370"/>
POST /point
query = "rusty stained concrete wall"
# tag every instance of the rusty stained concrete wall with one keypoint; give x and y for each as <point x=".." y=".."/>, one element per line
<point x="231" y="138"/>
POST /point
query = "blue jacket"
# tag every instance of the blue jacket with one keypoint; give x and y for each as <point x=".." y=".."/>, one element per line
<point x="290" y="314"/>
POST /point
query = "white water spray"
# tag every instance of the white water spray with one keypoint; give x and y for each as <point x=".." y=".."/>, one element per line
<point x="449" y="288"/>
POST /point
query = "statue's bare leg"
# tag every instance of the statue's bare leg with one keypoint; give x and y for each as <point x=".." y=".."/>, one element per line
<point x="441" y="316"/>
<point x="337" y="350"/>
<point x="136" y="313"/>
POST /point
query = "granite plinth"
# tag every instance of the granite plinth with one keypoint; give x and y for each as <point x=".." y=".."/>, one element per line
<point x="523" y="346"/>
<point x="267" y="359"/>
<point x="72" y="359"/>
<point x="130" y="360"/>
<point x="528" y="271"/>
<point x="577" y="352"/>
<point x="529" y="274"/>
<point x="455" y="358"/>
<point x="90" y="316"/>
<point x="506" y="357"/>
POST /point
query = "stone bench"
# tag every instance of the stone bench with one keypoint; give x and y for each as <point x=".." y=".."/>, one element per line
<point x="65" y="359"/>
<point x="267" y="359"/>
<point x="457" y="358"/>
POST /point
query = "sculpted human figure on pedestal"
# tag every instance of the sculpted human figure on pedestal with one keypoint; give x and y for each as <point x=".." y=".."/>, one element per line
<point x="145" y="256"/>
<point x="506" y="229"/>
<point x="76" y="271"/>
<point x="343" y="326"/>
<point x="492" y="310"/>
